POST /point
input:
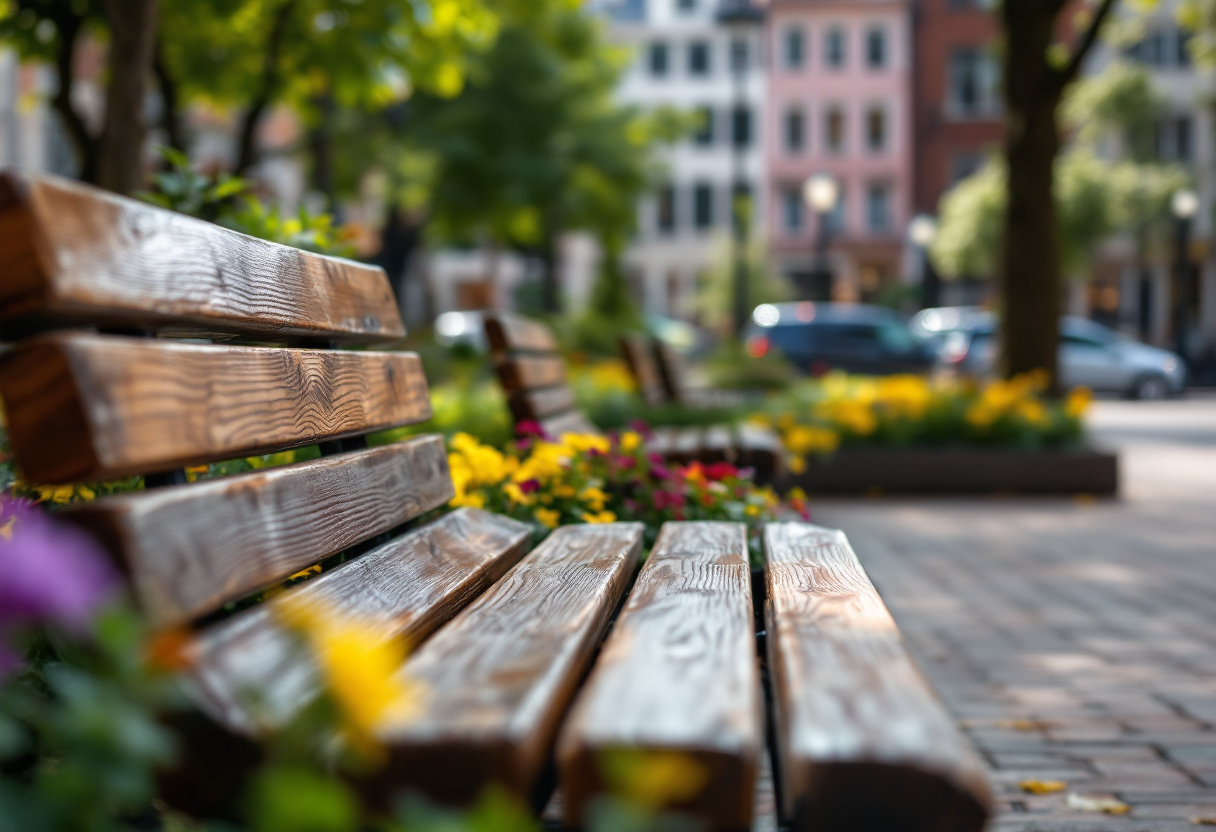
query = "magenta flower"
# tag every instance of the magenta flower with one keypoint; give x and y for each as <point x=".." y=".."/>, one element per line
<point x="528" y="486"/>
<point x="638" y="426"/>
<point x="528" y="427"/>
<point x="51" y="573"/>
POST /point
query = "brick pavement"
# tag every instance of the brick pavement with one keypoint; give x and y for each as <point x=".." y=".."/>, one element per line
<point x="1074" y="640"/>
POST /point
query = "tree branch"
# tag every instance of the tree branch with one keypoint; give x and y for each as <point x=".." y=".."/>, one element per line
<point x="1088" y="39"/>
<point x="247" y="149"/>
<point x="86" y="144"/>
<point x="170" y="117"/>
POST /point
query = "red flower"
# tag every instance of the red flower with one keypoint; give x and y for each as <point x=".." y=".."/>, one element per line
<point x="707" y="499"/>
<point x="721" y="470"/>
<point x="529" y="427"/>
<point x="528" y="486"/>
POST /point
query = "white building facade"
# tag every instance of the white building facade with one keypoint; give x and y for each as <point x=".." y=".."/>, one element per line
<point x="685" y="57"/>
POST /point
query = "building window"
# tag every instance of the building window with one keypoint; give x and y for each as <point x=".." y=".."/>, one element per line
<point x="876" y="130"/>
<point x="876" y="48"/>
<point x="791" y="209"/>
<point x="833" y="47"/>
<point x="704" y="137"/>
<point x="1173" y="139"/>
<point x="666" y="213"/>
<point x="793" y="48"/>
<point x="833" y="130"/>
<point x="741" y="126"/>
<point x="738" y="55"/>
<point x="658" y="59"/>
<point x="703" y="205"/>
<point x="795" y="130"/>
<point x="834" y="220"/>
<point x="974" y="88"/>
<point x="1167" y="48"/>
<point x="698" y="58"/>
<point x="686" y="5"/>
<point x="878" y="207"/>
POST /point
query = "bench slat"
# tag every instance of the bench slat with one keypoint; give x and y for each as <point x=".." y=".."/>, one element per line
<point x="502" y="673"/>
<point x="407" y="587"/>
<point x="541" y="404"/>
<point x="93" y="407"/>
<point x="520" y="373"/>
<point x="671" y="371"/>
<point x="636" y="349"/>
<point x="572" y="422"/>
<point x="190" y="549"/>
<point x="678" y="674"/>
<point x="509" y="333"/>
<point x="74" y="254"/>
<point x="864" y="742"/>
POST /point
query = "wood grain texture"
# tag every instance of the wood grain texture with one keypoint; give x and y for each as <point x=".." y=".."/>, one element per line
<point x="500" y="676"/>
<point x="864" y="742"/>
<point x="541" y="404"/>
<point x="640" y="359"/>
<point x="247" y="672"/>
<point x="94" y="407"/>
<point x="517" y="373"/>
<point x="572" y="422"/>
<point x="190" y="549"/>
<point x="74" y="254"/>
<point x="678" y="674"/>
<point x="509" y="332"/>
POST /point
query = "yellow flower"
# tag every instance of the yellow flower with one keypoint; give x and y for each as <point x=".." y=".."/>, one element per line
<point x="600" y="517"/>
<point x="630" y="441"/>
<point x="653" y="780"/>
<point x="752" y="511"/>
<point x="361" y="669"/>
<point x="584" y="442"/>
<point x="517" y="494"/>
<point x="797" y="464"/>
<point x="564" y="491"/>
<point x="547" y="517"/>
<point x="1077" y="402"/>
<point x="594" y="498"/>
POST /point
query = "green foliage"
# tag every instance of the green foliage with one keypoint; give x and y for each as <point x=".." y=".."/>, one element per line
<point x="1119" y="100"/>
<point x="1094" y="199"/>
<point x="731" y="367"/>
<point x="536" y="143"/>
<point x="229" y="201"/>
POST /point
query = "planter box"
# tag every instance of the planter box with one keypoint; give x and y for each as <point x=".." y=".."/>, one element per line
<point x="960" y="471"/>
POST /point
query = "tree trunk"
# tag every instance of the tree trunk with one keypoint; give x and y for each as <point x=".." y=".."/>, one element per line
<point x="247" y="150"/>
<point x="83" y="141"/>
<point x="132" y="44"/>
<point x="171" y="116"/>
<point x="1029" y="266"/>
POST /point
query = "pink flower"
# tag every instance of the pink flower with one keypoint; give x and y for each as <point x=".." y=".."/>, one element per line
<point x="638" y="426"/>
<point x="528" y="486"/>
<point x="625" y="462"/>
<point x="529" y="427"/>
<point x="655" y="459"/>
<point x="658" y="472"/>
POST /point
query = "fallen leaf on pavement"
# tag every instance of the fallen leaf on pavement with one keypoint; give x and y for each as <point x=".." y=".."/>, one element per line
<point x="1042" y="786"/>
<point x="1026" y="724"/>
<point x="1204" y="821"/>
<point x="1089" y="803"/>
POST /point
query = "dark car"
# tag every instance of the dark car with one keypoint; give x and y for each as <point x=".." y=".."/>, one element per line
<point x="818" y="337"/>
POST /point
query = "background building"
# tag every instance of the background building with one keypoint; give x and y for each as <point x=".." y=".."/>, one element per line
<point x="838" y="103"/>
<point x="685" y="57"/>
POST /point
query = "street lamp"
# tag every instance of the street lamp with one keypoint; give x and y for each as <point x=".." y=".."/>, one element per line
<point x="822" y="195"/>
<point x="1184" y="205"/>
<point x="740" y="17"/>
<point x="921" y="232"/>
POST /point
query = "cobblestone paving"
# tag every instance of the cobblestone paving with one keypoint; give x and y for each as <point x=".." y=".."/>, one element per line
<point x="1075" y="640"/>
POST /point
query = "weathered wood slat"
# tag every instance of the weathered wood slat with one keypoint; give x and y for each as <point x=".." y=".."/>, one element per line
<point x="75" y="254"/>
<point x="572" y="422"/>
<point x="671" y="372"/>
<point x="526" y="373"/>
<point x="84" y="407"/>
<point x="863" y="741"/>
<point x="541" y="404"/>
<point x="500" y="675"/>
<point x="677" y="675"/>
<point x="246" y="672"/>
<point x="509" y="333"/>
<point x="190" y="549"/>
<point x="636" y="349"/>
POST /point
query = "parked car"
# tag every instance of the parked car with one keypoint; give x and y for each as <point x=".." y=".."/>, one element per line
<point x="818" y="337"/>
<point x="1091" y="355"/>
<point x="933" y="326"/>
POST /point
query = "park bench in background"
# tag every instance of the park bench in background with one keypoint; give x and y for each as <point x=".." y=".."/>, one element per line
<point x="92" y="285"/>
<point x="660" y="377"/>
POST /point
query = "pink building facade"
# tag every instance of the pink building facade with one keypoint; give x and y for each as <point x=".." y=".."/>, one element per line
<point x="839" y="102"/>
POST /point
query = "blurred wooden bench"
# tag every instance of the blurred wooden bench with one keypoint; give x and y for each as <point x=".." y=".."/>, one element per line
<point x="660" y="377"/>
<point x="96" y="289"/>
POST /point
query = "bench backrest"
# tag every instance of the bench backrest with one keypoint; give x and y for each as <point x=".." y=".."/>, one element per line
<point x="94" y="391"/>
<point x="645" y="369"/>
<point x="532" y="371"/>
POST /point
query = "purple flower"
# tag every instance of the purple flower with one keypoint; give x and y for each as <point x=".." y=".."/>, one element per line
<point x="49" y="572"/>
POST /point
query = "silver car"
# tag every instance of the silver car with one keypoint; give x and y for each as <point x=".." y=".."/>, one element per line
<point x="1091" y="355"/>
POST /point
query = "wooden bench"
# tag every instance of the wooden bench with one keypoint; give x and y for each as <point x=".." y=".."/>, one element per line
<point x="504" y="638"/>
<point x="659" y="375"/>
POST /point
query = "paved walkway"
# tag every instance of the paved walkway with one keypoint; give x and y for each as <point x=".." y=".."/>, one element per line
<point x="1075" y="640"/>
